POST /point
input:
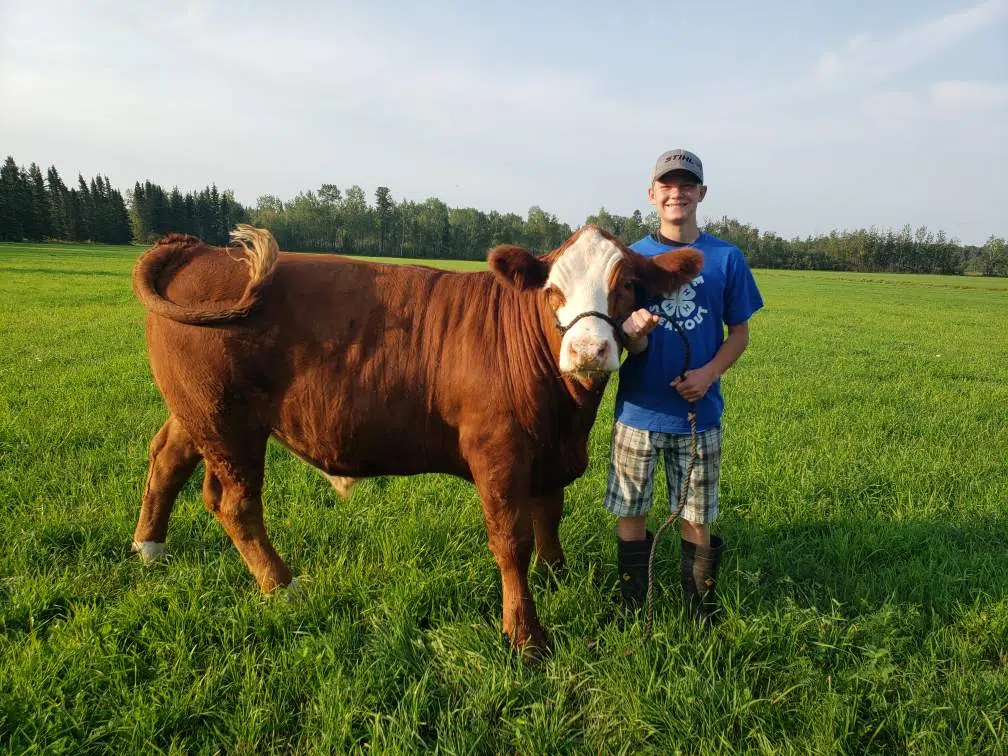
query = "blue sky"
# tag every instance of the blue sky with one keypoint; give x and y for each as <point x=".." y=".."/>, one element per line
<point x="808" y="116"/>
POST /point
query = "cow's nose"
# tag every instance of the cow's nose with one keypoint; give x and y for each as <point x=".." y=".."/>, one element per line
<point x="589" y="353"/>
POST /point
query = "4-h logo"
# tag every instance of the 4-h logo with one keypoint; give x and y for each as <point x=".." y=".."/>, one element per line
<point x="679" y="304"/>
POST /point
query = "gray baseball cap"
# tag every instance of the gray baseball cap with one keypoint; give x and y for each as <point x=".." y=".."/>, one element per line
<point x="677" y="160"/>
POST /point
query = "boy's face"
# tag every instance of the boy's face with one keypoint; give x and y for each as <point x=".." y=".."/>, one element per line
<point x="676" y="195"/>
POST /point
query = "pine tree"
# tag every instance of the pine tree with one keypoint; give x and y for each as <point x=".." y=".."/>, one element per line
<point x="176" y="211"/>
<point x="216" y="234"/>
<point x="38" y="225"/>
<point x="204" y="214"/>
<point x="13" y="196"/>
<point x="84" y="222"/>
<point x="384" y="207"/>
<point x="58" y="211"/>
<point x="190" y="213"/>
<point x="75" y="216"/>
<point x="119" y="231"/>
<point x="99" y="214"/>
<point x="158" y="210"/>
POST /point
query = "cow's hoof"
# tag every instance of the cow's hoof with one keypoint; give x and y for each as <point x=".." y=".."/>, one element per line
<point x="534" y="654"/>
<point x="344" y="486"/>
<point x="292" y="593"/>
<point x="533" y="651"/>
<point x="149" y="551"/>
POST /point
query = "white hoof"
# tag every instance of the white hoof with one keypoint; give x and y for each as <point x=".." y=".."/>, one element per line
<point x="343" y="485"/>
<point x="292" y="592"/>
<point x="149" y="551"/>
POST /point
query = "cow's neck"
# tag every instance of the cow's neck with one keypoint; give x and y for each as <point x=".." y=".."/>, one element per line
<point x="548" y="405"/>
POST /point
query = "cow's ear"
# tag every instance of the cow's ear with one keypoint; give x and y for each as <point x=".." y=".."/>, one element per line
<point x="516" y="266"/>
<point x="669" y="270"/>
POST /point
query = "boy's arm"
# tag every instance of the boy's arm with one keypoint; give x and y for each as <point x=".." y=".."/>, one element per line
<point x="698" y="380"/>
<point x="734" y="344"/>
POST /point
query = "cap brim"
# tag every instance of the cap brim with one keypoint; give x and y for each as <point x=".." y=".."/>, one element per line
<point x="683" y="171"/>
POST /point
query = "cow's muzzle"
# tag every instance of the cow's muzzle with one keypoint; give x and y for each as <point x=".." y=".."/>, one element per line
<point x="617" y="325"/>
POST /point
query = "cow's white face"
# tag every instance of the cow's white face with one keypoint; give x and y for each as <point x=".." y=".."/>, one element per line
<point x="591" y="272"/>
<point x="581" y="280"/>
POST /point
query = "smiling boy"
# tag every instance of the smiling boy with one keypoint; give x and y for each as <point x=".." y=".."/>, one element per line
<point x="652" y="403"/>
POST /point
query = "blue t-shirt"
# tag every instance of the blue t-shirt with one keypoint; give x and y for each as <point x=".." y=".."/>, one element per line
<point x="724" y="293"/>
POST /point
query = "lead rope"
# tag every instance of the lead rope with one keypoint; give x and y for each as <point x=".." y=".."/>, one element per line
<point x="683" y="490"/>
<point x="671" y="518"/>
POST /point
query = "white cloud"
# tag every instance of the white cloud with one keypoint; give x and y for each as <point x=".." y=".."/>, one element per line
<point x="963" y="98"/>
<point x="892" y="110"/>
<point x="867" y="59"/>
<point x="896" y="111"/>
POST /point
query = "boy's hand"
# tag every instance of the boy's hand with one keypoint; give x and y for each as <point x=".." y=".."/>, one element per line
<point x="694" y="385"/>
<point x="640" y="323"/>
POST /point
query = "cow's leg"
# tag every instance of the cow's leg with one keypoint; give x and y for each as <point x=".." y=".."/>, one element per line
<point x="173" y="457"/>
<point x="497" y="460"/>
<point x="510" y="541"/>
<point x="232" y="490"/>
<point x="509" y="530"/>
<point x="547" y="511"/>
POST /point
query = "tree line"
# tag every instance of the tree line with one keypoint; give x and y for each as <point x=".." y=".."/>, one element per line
<point x="209" y="214"/>
<point x="906" y="250"/>
<point x="332" y="220"/>
<point x="34" y="207"/>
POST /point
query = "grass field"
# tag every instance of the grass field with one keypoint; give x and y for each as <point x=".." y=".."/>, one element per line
<point x="864" y="503"/>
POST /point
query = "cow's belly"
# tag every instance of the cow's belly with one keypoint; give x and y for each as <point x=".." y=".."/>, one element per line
<point x="366" y="459"/>
<point x="348" y="426"/>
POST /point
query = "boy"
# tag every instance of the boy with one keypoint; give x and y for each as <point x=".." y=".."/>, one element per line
<point x="652" y="403"/>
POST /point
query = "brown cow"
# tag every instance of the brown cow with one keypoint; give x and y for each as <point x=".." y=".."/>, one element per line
<point x="368" y="369"/>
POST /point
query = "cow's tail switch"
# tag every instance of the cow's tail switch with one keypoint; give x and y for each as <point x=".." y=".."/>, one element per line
<point x="260" y="256"/>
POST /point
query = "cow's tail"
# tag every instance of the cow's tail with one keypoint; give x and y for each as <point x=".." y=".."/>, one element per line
<point x="261" y="253"/>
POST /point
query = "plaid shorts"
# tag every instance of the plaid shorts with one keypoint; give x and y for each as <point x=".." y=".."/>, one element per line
<point x="630" y="491"/>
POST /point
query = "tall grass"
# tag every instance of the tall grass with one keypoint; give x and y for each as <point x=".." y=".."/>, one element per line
<point x="863" y="501"/>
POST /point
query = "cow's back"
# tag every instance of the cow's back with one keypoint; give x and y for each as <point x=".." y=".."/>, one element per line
<point x="360" y="368"/>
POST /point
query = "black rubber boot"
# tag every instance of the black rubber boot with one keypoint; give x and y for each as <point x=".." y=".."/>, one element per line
<point x="700" y="565"/>
<point x="633" y="570"/>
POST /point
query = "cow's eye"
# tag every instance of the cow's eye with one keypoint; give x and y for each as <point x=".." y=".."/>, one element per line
<point x="628" y="285"/>
<point x="555" y="298"/>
